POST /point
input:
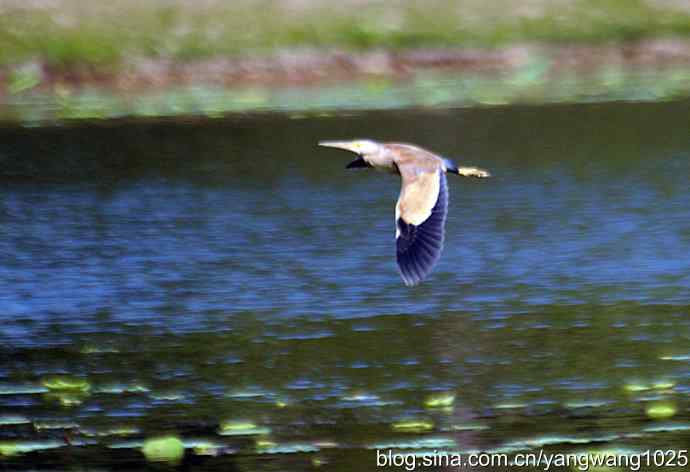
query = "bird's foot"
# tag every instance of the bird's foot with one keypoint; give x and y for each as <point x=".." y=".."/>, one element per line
<point x="473" y="172"/>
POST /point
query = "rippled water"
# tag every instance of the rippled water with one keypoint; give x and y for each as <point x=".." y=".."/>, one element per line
<point x="230" y="284"/>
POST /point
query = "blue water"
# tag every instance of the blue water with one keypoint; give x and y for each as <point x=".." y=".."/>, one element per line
<point x="215" y="270"/>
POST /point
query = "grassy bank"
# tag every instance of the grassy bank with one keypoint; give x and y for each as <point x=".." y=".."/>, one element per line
<point x="104" y="34"/>
<point x="71" y="59"/>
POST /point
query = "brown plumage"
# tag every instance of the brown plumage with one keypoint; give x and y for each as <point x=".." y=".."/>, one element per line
<point x="420" y="213"/>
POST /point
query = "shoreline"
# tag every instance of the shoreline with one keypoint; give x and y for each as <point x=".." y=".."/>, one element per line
<point x="318" y="80"/>
<point x="324" y="67"/>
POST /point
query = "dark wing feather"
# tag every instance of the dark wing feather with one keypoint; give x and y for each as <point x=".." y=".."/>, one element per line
<point x="419" y="247"/>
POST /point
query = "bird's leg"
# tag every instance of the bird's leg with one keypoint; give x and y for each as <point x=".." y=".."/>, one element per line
<point x="473" y="172"/>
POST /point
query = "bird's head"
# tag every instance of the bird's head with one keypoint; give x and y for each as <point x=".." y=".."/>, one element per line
<point x="364" y="148"/>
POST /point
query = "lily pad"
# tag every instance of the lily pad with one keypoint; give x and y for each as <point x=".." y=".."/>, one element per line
<point x="204" y="447"/>
<point x="11" y="448"/>
<point x="636" y="387"/>
<point x="413" y="426"/>
<point x="661" y="411"/>
<point x="66" y="398"/>
<point x="164" y="449"/>
<point x="66" y="383"/>
<point x="440" y="400"/>
<point x="241" y="428"/>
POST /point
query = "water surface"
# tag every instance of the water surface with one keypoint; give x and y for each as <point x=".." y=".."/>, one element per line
<point x="228" y="282"/>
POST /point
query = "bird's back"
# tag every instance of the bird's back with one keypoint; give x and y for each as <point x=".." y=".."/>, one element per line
<point x="413" y="157"/>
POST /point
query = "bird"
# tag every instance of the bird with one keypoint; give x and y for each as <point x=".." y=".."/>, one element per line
<point x="422" y="207"/>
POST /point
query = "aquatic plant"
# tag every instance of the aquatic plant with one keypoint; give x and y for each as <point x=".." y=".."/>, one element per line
<point x="163" y="449"/>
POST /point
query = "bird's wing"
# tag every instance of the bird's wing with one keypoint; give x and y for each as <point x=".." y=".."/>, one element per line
<point x="420" y="217"/>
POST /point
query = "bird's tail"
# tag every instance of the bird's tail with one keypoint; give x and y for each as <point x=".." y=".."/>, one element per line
<point x="465" y="171"/>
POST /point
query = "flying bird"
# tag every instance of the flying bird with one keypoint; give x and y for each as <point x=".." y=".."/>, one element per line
<point x="420" y="213"/>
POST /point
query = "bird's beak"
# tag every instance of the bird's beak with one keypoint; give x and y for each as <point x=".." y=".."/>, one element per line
<point x="346" y="146"/>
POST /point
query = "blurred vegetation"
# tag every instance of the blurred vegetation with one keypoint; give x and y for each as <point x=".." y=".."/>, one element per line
<point x="69" y="32"/>
<point x="528" y="85"/>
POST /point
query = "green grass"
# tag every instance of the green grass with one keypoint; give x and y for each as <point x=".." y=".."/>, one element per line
<point x="74" y="32"/>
